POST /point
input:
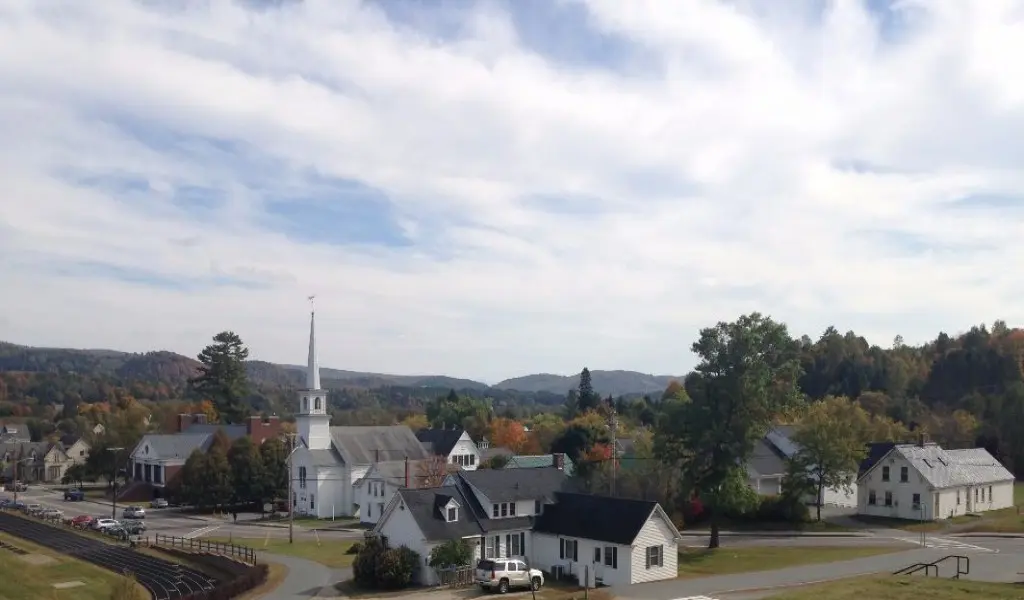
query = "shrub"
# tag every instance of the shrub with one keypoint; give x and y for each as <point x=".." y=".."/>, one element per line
<point x="452" y="553"/>
<point x="354" y="548"/>
<point x="364" y="567"/>
<point x="395" y="568"/>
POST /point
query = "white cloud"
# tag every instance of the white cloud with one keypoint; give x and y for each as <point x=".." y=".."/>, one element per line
<point x="713" y="180"/>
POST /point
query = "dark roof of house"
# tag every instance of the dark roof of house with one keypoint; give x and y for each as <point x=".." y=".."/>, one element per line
<point x="483" y="514"/>
<point x="439" y="441"/>
<point x="599" y="518"/>
<point x="69" y="440"/>
<point x="425" y="507"/>
<point x="507" y="485"/>
<point x="174" y="445"/>
<point x="489" y="453"/>
<point x="876" y="451"/>
<point x="766" y="461"/>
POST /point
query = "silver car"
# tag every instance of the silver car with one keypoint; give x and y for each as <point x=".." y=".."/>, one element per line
<point x="503" y="574"/>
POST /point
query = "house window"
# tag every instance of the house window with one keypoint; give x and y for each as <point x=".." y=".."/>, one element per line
<point x="917" y="501"/>
<point x="512" y="509"/>
<point x="472" y="459"/>
<point x="654" y="556"/>
<point x="318" y="403"/>
<point x="312" y="503"/>
<point x="514" y="544"/>
<point x="497" y="546"/>
<point x="975" y="494"/>
<point x="453" y="514"/>
<point x="597" y="555"/>
<point x="611" y="557"/>
<point x="494" y="511"/>
<point x="489" y="548"/>
<point x="302" y="477"/>
<point x="872" y="499"/>
<point x="904" y="474"/>
<point x="504" y="509"/>
<point x="369" y="510"/>
<point x="885" y="473"/>
<point x="989" y="493"/>
<point x="305" y="404"/>
<point x="958" y="497"/>
<point x="888" y="498"/>
<point x="568" y="549"/>
<point x="380" y="508"/>
<point x="536" y="507"/>
<point x="982" y="494"/>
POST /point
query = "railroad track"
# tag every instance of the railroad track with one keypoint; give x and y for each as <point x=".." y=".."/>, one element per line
<point x="164" y="579"/>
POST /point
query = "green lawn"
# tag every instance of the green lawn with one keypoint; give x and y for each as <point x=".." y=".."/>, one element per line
<point x="330" y="553"/>
<point x="888" y="587"/>
<point x="774" y="526"/>
<point x="726" y="561"/>
<point x="22" y="580"/>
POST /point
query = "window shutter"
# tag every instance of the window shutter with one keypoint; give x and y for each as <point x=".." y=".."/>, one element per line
<point x="561" y="549"/>
<point x="661" y="556"/>
<point x="575" y="550"/>
<point x="648" y="553"/>
<point x="508" y="544"/>
<point x="522" y="543"/>
<point x="615" y="557"/>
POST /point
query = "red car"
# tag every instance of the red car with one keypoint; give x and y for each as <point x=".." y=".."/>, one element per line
<point x="81" y="521"/>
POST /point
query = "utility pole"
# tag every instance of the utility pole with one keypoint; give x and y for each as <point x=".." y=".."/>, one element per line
<point x="113" y="480"/>
<point x="615" y="429"/>
<point x="291" y="494"/>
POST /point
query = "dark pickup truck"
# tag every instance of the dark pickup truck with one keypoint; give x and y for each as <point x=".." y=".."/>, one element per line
<point x="74" y="495"/>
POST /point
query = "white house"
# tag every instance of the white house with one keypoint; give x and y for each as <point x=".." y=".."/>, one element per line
<point x="328" y="460"/>
<point x="536" y="515"/>
<point x="375" y="489"/>
<point x="765" y="469"/>
<point x="924" y="482"/>
<point x="454" y="445"/>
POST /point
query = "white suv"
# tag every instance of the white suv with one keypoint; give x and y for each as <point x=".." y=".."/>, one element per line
<point x="101" y="524"/>
<point x="503" y="574"/>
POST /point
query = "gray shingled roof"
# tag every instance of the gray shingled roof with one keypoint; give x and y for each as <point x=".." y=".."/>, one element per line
<point x="424" y="506"/>
<point x="954" y="468"/>
<point x="439" y="441"/>
<point x="367" y="445"/>
<point x="326" y="458"/>
<point x="175" y="445"/>
<point x="508" y="485"/>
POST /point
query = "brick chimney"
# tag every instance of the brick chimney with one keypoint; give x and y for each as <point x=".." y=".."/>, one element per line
<point x="558" y="461"/>
<point x="262" y="429"/>
<point x="922" y="440"/>
<point x="199" y="419"/>
<point x="407" y="477"/>
<point x="184" y="422"/>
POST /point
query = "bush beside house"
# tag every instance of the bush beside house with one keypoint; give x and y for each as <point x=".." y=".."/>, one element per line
<point x="453" y="553"/>
<point x="378" y="567"/>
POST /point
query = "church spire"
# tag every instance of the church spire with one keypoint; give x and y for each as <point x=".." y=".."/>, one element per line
<point x="313" y="368"/>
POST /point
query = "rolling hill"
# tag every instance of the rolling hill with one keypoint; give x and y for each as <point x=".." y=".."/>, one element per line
<point x="175" y="369"/>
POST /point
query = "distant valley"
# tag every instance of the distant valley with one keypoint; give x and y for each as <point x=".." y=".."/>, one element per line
<point x="172" y="367"/>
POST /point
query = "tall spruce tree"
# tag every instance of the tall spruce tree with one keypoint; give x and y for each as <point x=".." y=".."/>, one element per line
<point x="222" y="377"/>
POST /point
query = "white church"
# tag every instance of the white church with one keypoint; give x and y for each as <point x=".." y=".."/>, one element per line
<point x="328" y="460"/>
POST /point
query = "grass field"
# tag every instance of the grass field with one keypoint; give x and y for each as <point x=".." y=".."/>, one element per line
<point x="727" y="561"/>
<point x="330" y="553"/>
<point x="20" y="579"/>
<point x="905" y="588"/>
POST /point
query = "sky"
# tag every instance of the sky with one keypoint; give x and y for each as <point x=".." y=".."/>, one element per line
<point x="487" y="189"/>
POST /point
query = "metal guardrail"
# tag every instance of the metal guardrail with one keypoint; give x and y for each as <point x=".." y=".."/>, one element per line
<point x="235" y="551"/>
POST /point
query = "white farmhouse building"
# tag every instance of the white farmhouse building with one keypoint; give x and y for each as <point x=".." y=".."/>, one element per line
<point x="454" y="445"/>
<point x="534" y="514"/>
<point x="329" y="460"/>
<point x="924" y="482"/>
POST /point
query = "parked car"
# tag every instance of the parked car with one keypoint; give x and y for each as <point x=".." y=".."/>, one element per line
<point x="74" y="495"/>
<point x="158" y="503"/>
<point x="134" y="512"/>
<point x="134" y="527"/>
<point x="52" y="513"/>
<point x="81" y="521"/>
<point x="33" y="509"/>
<point x="501" y="575"/>
<point x="102" y="524"/>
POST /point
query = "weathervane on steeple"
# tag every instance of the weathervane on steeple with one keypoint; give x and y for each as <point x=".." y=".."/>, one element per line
<point x="312" y="306"/>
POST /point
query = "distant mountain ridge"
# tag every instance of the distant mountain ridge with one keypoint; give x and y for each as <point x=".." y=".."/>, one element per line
<point x="170" y="367"/>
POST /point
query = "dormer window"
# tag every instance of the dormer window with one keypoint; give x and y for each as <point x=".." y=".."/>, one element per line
<point x="450" y="511"/>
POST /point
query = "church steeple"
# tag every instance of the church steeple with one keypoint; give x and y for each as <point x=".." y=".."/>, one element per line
<point x="313" y="368"/>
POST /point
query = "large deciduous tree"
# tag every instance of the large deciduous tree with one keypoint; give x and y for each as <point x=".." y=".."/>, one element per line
<point x="222" y="376"/>
<point x="748" y="372"/>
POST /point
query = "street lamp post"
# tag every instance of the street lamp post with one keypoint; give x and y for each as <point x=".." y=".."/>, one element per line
<point x="291" y="494"/>
<point x="113" y="480"/>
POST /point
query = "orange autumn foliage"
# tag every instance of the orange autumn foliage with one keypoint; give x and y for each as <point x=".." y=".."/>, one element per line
<point x="507" y="433"/>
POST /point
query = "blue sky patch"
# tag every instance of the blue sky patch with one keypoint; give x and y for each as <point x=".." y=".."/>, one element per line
<point x="335" y="211"/>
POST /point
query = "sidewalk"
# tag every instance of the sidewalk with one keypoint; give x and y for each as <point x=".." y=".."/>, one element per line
<point x="779" y="534"/>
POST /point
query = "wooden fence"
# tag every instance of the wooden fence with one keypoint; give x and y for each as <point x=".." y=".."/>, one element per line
<point x="243" y="553"/>
<point x="456" y="577"/>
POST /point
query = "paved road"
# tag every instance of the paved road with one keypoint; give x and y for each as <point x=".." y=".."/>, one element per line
<point x="170" y="521"/>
